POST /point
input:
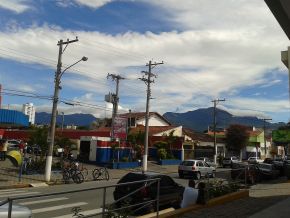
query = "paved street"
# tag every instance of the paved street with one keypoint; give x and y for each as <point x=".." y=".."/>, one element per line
<point x="262" y="196"/>
<point x="61" y="205"/>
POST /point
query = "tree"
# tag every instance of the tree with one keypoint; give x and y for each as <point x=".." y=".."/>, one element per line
<point x="171" y="140"/>
<point x="237" y="138"/>
<point x="136" y="140"/>
<point x="39" y="137"/>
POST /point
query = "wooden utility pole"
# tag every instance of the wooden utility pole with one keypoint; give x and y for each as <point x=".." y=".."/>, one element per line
<point x="115" y="99"/>
<point x="264" y="128"/>
<point x="148" y="82"/>
<point x="215" y="102"/>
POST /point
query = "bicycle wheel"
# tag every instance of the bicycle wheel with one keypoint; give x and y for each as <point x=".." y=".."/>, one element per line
<point x="96" y="174"/>
<point x="78" y="178"/>
<point x="66" y="176"/>
<point x="85" y="172"/>
<point x="104" y="174"/>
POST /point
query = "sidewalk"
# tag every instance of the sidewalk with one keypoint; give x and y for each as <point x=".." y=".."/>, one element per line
<point x="9" y="175"/>
<point x="265" y="201"/>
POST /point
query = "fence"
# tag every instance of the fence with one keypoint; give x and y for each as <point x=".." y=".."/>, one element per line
<point x="108" y="209"/>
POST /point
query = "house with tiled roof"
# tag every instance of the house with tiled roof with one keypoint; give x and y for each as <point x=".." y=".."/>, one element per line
<point x="256" y="142"/>
<point x="159" y="130"/>
<point x="201" y="145"/>
<point x="138" y="118"/>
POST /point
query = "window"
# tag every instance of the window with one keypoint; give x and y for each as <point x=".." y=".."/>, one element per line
<point x="188" y="163"/>
<point x="166" y="181"/>
<point x="200" y="164"/>
<point x="131" y="121"/>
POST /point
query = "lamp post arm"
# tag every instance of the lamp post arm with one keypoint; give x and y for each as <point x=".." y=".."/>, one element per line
<point x="69" y="67"/>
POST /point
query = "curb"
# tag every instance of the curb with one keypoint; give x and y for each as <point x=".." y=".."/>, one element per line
<point x="24" y="185"/>
<point x="213" y="202"/>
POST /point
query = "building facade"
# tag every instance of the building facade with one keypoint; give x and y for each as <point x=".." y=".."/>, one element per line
<point x="29" y="110"/>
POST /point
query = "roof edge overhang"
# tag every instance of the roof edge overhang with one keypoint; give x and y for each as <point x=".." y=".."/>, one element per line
<point x="281" y="11"/>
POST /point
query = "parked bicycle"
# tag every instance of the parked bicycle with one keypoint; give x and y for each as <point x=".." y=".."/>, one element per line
<point x="101" y="174"/>
<point x="74" y="174"/>
<point x="70" y="163"/>
<point x="31" y="166"/>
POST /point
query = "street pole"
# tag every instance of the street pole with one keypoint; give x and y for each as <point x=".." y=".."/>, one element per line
<point x="215" y="102"/>
<point x="264" y="127"/>
<point x="62" y="121"/>
<point x="147" y="81"/>
<point x="58" y="75"/>
<point x="116" y="78"/>
<point x="285" y="58"/>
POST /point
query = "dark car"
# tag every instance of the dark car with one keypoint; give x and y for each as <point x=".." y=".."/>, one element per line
<point x="170" y="193"/>
<point x="277" y="163"/>
<point x="268" y="171"/>
<point x="229" y="161"/>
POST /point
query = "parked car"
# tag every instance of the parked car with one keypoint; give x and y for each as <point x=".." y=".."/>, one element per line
<point x="208" y="161"/>
<point x="196" y="168"/>
<point x="18" y="211"/>
<point x="245" y="172"/>
<point x="278" y="164"/>
<point x="229" y="161"/>
<point x="254" y="160"/>
<point x="13" y="144"/>
<point x="268" y="171"/>
<point x="33" y="149"/>
<point x="170" y="193"/>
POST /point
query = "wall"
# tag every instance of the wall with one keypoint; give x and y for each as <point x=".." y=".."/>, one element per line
<point x="153" y="121"/>
<point x="177" y="132"/>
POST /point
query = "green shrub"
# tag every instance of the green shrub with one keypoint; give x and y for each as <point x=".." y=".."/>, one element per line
<point x="125" y="159"/>
<point x="162" y="153"/>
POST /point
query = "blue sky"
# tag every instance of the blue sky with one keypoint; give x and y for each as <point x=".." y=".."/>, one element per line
<point x="230" y="50"/>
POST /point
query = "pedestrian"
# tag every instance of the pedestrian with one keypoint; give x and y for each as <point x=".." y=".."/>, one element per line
<point x="201" y="199"/>
<point x="4" y="149"/>
<point x="1" y="150"/>
<point x="21" y="147"/>
<point x="190" y="194"/>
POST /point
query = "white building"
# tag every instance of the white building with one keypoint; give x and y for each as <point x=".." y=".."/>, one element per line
<point x="29" y="110"/>
<point x="138" y="118"/>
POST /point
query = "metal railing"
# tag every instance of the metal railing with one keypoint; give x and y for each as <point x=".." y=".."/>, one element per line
<point x="105" y="207"/>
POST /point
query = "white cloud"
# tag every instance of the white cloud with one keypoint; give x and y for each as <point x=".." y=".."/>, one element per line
<point x="17" y="6"/>
<point x="224" y="47"/>
<point x="93" y="3"/>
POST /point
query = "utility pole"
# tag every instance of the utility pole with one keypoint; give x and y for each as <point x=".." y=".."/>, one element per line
<point x="115" y="99"/>
<point x="285" y="58"/>
<point x="215" y="102"/>
<point x="264" y="127"/>
<point x="62" y="121"/>
<point x="148" y="82"/>
<point x="57" y="82"/>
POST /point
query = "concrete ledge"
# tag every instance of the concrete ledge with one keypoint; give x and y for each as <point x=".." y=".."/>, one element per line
<point x="152" y="215"/>
<point x="213" y="202"/>
<point x="40" y="184"/>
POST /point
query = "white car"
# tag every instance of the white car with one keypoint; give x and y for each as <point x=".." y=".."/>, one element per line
<point x="254" y="160"/>
<point x="196" y="168"/>
<point x="18" y="211"/>
<point x="208" y="161"/>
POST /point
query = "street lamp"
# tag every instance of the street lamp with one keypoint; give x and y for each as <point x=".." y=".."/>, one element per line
<point x="58" y="75"/>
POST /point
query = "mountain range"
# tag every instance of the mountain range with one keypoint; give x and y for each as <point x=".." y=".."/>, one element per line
<point x="198" y="120"/>
<point x="43" y="118"/>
